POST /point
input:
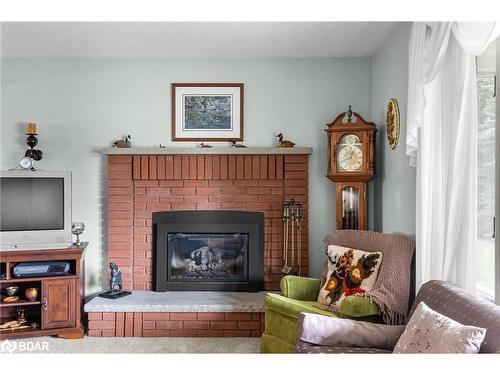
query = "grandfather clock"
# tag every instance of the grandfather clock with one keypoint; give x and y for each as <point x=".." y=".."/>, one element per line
<point x="351" y="164"/>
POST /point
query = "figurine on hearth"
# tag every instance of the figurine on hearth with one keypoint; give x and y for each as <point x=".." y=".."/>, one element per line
<point x="116" y="277"/>
<point x="115" y="280"/>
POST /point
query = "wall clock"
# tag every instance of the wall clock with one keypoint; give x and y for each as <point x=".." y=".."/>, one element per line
<point x="351" y="164"/>
<point x="392" y="123"/>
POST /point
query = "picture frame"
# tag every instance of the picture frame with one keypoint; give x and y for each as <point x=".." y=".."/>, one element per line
<point x="207" y="111"/>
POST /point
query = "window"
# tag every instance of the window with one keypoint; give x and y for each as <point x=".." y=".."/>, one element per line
<point x="486" y="70"/>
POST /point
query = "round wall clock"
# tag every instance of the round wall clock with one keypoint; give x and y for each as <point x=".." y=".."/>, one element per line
<point x="393" y="123"/>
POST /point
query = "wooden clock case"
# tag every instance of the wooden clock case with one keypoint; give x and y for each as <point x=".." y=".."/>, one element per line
<point x="366" y="132"/>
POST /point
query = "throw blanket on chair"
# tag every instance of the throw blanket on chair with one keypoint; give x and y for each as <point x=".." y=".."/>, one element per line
<point x="391" y="291"/>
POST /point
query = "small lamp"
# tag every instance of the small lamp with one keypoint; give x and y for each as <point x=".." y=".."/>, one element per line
<point x="32" y="141"/>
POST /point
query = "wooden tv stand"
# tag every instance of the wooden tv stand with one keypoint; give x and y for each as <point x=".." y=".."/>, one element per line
<point x="57" y="310"/>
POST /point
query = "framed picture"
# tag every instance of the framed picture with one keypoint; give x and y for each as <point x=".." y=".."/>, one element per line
<point x="207" y="111"/>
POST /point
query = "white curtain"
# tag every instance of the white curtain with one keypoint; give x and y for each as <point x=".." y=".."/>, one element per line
<point x="441" y="142"/>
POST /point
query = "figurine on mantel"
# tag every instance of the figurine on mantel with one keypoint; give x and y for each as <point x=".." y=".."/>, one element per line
<point x="123" y="143"/>
<point x="237" y="145"/>
<point x="204" y="145"/>
<point x="282" y="143"/>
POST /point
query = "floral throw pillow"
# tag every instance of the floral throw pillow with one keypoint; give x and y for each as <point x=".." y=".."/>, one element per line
<point x="350" y="272"/>
<point x="431" y="332"/>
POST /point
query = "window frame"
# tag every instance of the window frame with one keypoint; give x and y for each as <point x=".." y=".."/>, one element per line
<point x="481" y="290"/>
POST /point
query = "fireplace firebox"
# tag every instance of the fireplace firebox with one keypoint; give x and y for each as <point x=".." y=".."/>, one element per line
<point x="209" y="250"/>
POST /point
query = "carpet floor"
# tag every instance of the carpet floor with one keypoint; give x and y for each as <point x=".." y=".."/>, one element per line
<point x="149" y="345"/>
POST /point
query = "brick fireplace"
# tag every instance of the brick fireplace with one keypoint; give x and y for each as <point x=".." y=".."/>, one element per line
<point x="140" y="184"/>
<point x="146" y="181"/>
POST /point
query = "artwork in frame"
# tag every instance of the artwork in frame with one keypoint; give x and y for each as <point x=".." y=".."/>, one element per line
<point x="207" y="112"/>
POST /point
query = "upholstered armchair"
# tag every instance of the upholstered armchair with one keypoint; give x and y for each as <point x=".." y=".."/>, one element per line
<point x="299" y="294"/>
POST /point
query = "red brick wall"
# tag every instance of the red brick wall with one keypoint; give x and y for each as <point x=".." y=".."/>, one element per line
<point x="139" y="185"/>
<point x="175" y="324"/>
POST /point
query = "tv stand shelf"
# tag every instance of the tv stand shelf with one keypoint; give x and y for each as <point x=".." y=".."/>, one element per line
<point x="57" y="309"/>
<point x="19" y="302"/>
<point x="20" y="280"/>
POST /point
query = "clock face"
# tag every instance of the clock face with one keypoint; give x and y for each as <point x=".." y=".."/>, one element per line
<point x="350" y="153"/>
<point x="26" y="163"/>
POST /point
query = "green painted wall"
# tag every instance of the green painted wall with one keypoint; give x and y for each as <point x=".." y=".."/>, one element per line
<point x="81" y="105"/>
<point x="392" y="193"/>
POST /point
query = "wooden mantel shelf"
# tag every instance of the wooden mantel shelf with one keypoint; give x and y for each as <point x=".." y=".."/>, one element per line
<point x="208" y="151"/>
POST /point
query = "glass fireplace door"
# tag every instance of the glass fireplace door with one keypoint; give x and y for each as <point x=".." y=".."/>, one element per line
<point x="207" y="256"/>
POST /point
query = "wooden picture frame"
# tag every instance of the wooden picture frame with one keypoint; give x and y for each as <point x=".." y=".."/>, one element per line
<point x="207" y="111"/>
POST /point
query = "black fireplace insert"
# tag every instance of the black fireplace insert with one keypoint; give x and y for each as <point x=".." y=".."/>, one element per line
<point x="209" y="250"/>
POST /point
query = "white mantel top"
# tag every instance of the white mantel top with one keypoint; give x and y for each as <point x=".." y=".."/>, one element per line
<point x="203" y="151"/>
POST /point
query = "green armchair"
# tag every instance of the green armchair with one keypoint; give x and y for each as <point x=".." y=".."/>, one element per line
<point x="298" y="295"/>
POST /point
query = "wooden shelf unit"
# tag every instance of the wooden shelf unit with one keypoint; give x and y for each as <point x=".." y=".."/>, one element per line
<point x="57" y="310"/>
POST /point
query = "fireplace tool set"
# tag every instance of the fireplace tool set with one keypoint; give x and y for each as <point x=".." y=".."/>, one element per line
<point x="292" y="236"/>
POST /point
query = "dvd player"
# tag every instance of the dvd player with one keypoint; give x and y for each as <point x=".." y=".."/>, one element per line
<point x="47" y="268"/>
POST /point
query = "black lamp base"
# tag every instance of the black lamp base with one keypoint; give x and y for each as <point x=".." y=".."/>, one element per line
<point x="32" y="141"/>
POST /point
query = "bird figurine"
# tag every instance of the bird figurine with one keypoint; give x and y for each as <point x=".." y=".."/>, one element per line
<point x="237" y="145"/>
<point x="282" y="143"/>
<point x="123" y="143"/>
<point x="204" y="145"/>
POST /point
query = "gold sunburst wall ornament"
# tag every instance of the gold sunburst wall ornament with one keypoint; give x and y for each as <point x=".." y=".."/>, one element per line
<point x="393" y="123"/>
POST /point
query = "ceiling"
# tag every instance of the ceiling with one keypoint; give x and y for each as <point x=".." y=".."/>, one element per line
<point x="192" y="39"/>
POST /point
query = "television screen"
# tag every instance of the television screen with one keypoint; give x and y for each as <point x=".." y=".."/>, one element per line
<point x="30" y="204"/>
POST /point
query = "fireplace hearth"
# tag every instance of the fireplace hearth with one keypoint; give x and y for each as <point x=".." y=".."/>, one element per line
<point x="208" y="250"/>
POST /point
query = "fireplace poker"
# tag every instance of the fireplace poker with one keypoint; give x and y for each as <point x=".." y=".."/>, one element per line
<point x="298" y="218"/>
<point x="286" y="218"/>
<point x="292" y="218"/>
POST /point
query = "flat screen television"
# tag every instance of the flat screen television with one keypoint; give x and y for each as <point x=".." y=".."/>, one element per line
<point x="35" y="209"/>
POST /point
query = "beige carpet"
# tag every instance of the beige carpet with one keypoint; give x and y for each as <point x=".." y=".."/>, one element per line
<point x="145" y="345"/>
